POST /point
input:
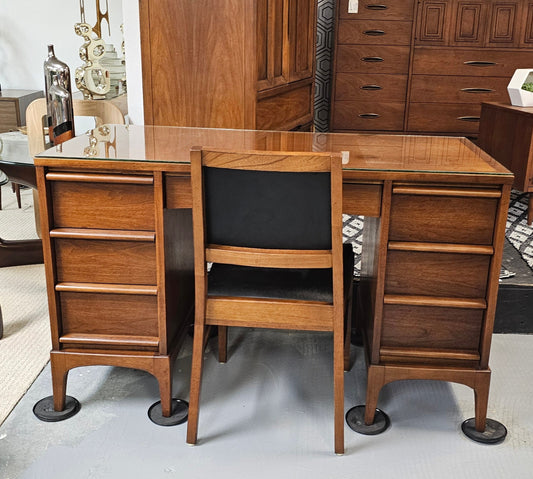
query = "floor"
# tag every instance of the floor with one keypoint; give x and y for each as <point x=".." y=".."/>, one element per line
<point x="268" y="413"/>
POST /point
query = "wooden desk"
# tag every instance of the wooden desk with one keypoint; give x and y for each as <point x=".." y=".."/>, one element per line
<point x="118" y="249"/>
<point x="506" y="133"/>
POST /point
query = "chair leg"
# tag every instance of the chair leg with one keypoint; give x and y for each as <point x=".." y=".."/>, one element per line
<point x="222" y="344"/>
<point x="16" y="189"/>
<point x="348" y="329"/>
<point x="196" y="379"/>
<point x="338" y="390"/>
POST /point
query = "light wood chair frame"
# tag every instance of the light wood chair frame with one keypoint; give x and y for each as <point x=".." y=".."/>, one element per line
<point x="267" y="313"/>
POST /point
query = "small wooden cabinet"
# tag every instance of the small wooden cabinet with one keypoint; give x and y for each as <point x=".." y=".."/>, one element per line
<point x="13" y="104"/>
<point x="228" y="63"/>
<point x="443" y="58"/>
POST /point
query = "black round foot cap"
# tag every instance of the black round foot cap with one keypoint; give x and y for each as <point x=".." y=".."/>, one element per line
<point x="44" y="409"/>
<point x="355" y="418"/>
<point x="494" y="432"/>
<point x="180" y="413"/>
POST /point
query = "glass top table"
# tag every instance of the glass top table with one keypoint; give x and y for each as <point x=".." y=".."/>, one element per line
<point x="360" y="152"/>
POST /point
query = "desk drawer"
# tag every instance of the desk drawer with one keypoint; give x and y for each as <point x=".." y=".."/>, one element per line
<point x="95" y="261"/>
<point x="374" y="32"/>
<point x="102" y="204"/>
<point x="383" y="9"/>
<point x="431" y="327"/>
<point x="458" y="89"/>
<point x="444" y="117"/>
<point x="370" y="88"/>
<point x="444" y="219"/>
<point x="436" y="274"/>
<point x="108" y="314"/>
<point x="372" y="59"/>
<point x="354" y="115"/>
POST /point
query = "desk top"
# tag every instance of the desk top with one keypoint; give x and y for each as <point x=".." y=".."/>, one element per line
<point x="393" y="156"/>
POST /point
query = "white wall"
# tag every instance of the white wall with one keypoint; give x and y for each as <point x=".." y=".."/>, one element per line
<point x="28" y="26"/>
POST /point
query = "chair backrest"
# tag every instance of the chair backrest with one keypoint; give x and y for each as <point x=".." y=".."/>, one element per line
<point x="271" y="209"/>
<point x="104" y="112"/>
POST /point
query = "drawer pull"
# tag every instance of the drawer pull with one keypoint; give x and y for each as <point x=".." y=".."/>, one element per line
<point x="468" y="118"/>
<point x="371" y="87"/>
<point x="372" y="59"/>
<point x="375" y="6"/>
<point x="369" y="116"/>
<point x="480" y="64"/>
<point x="374" y="33"/>
<point x="477" y="90"/>
<point x="99" y="178"/>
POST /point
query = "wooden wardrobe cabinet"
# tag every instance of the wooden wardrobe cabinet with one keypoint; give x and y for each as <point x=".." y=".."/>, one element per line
<point x="228" y="63"/>
<point x="452" y="56"/>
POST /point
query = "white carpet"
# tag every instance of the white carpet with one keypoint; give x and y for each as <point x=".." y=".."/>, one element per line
<point x="25" y="346"/>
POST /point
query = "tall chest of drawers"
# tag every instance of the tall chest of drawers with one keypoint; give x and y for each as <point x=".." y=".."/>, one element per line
<point x="460" y="53"/>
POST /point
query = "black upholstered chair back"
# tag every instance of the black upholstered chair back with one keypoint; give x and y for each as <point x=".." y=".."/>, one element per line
<point x="267" y="209"/>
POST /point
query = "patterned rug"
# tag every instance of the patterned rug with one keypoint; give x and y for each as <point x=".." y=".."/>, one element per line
<point x="518" y="232"/>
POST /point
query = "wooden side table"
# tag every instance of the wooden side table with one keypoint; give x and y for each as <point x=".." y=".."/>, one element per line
<point x="506" y="133"/>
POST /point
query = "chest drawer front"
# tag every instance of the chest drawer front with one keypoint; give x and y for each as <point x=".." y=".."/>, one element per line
<point x="458" y="89"/>
<point x="378" y="9"/>
<point x="442" y="219"/>
<point x="350" y="115"/>
<point x="8" y="116"/>
<point x="372" y="59"/>
<point x="435" y="117"/>
<point x="103" y="205"/>
<point x="471" y="62"/>
<point x="292" y="107"/>
<point x="374" y="32"/>
<point x="436" y="274"/>
<point x="368" y="87"/>
<point x="115" y="262"/>
<point x="431" y="327"/>
<point x="108" y="314"/>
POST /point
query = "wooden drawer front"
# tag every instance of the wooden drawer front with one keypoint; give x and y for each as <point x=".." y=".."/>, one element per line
<point x="436" y="274"/>
<point x="103" y="205"/>
<point x="440" y="117"/>
<point x="372" y="59"/>
<point x="378" y="9"/>
<point x="457" y="89"/>
<point x="8" y="116"/>
<point x="290" y="107"/>
<point x="431" y="327"/>
<point x="367" y="87"/>
<point x="442" y="219"/>
<point x="374" y="32"/>
<point x="445" y="61"/>
<point x="119" y="262"/>
<point x="108" y="314"/>
<point x="361" y="199"/>
<point x="352" y="115"/>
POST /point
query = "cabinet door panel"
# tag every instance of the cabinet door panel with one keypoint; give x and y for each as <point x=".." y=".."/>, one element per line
<point x="433" y="23"/>
<point x="470" y="18"/>
<point x="503" y="28"/>
<point x="302" y="23"/>
<point x="527" y="27"/>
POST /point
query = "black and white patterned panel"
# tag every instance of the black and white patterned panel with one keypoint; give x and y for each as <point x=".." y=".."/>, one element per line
<point x="518" y="231"/>
<point x="352" y="232"/>
<point x="324" y="49"/>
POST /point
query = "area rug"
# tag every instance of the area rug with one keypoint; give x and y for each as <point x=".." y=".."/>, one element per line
<point x="518" y="232"/>
<point x="25" y="345"/>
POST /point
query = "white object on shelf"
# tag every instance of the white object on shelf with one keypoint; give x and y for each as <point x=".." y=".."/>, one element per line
<point x="518" y="96"/>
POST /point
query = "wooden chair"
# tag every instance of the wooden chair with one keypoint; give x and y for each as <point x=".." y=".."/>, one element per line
<point x="271" y="225"/>
<point x="103" y="112"/>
